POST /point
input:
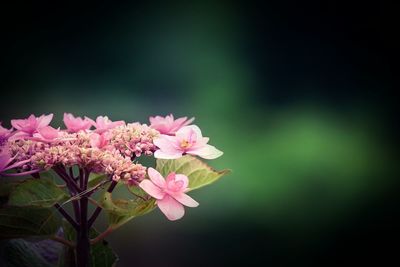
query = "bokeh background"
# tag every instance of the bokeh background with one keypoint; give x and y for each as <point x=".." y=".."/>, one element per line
<point x="296" y="93"/>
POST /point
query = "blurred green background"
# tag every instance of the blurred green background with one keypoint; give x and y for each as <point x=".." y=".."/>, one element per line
<point x="295" y="94"/>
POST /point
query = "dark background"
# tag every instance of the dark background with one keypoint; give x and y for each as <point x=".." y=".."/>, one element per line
<point x="298" y="94"/>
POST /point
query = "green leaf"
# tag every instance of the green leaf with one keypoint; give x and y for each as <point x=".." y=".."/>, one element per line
<point x="101" y="255"/>
<point x="95" y="179"/>
<point x="36" y="192"/>
<point x="198" y="172"/>
<point x="137" y="191"/>
<point x="19" y="252"/>
<point x="7" y="187"/>
<point x="121" y="211"/>
<point x="16" y="222"/>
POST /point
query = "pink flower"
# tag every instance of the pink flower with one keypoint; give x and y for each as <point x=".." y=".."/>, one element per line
<point x="169" y="193"/>
<point x="98" y="140"/>
<point x="76" y="124"/>
<point x="104" y="124"/>
<point x="4" y="134"/>
<point x="6" y="164"/>
<point x="47" y="133"/>
<point x="4" y="131"/>
<point x="167" y="125"/>
<point x="32" y="124"/>
<point x="188" y="140"/>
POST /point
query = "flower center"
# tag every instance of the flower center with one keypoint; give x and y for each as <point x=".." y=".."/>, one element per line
<point x="185" y="144"/>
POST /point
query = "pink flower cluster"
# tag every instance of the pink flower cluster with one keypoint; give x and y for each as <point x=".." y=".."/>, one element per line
<point x="110" y="147"/>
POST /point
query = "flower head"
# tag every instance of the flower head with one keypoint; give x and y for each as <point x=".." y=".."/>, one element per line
<point x="104" y="124"/>
<point x="133" y="139"/>
<point x="76" y="124"/>
<point x="169" y="193"/>
<point x="167" y="125"/>
<point x="30" y="125"/>
<point x="187" y="140"/>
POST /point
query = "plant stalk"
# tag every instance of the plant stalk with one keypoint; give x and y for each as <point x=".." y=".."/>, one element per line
<point x="83" y="242"/>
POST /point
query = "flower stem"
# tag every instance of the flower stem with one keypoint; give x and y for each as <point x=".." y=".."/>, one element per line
<point x="82" y="242"/>
<point x="66" y="216"/>
<point x="101" y="236"/>
<point x="99" y="209"/>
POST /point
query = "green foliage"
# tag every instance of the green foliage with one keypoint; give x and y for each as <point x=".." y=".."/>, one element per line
<point x="21" y="222"/>
<point x="19" y="252"/>
<point x="198" y="172"/>
<point x="121" y="211"/>
<point x="96" y="179"/>
<point x="36" y="192"/>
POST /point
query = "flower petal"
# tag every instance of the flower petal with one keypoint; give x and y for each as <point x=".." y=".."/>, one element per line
<point x="206" y="152"/>
<point x="44" y="120"/>
<point x="184" y="179"/>
<point x="185" y="200"/>
<point x="17" y="123"/>
<point x="171" y="208"/>
<point x="162" y="155"/>
<point x="184" y="132"/>
<point x="152" y="189"/>
<point x="156" y="177"/>
<point x="166" y="143"/>
<point x="48" y="132"/>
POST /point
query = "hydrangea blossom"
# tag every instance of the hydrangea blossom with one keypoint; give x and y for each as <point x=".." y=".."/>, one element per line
<point x="169" y="192"/>
<point x="111" y="148"/>
<point x="94" y="156"/>
<point x="31" y="125"/>
<point x="187" y="140"/>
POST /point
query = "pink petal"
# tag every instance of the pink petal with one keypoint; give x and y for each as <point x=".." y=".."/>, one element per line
<point x="206" y="152"/>
<point x="44" y="120"/>
<point x="156" y="177"/>
<point x="188" y="122"/>
<point x="171" y="208"/>
<point x="185" y="132"/>
<point x="185" y="200"/>
<point x="48" y="132"/>
<point x="163" y="155"/>
<point x="184" y="179"/>
<point x="152" y="189"/>
<point x="166" y="143"/>
<point x="19" y="135"/>
<point x="168" y="148"/>
<point x="17" y="124"/>
<point x="16" y="164"/>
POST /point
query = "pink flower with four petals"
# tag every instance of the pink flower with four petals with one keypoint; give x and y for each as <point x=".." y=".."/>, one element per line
<point x="31" y="125"/>
<point x="187" y="140"/>
<point x="169" y="193"/>
<point x="104" y="124"/>
<point x="167" y="125"/>
<point x="76" y="124"/>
